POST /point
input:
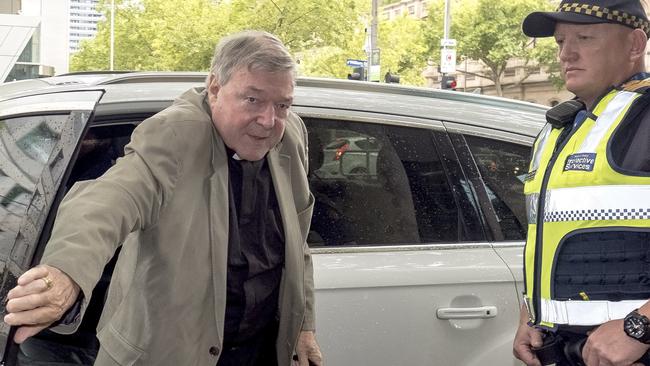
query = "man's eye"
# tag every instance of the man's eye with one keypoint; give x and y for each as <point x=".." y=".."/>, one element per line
<point x="283" y="106"/>
<point x="251" y="99"/>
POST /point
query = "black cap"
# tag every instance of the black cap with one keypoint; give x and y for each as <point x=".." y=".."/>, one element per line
<point x="629" y="13"/>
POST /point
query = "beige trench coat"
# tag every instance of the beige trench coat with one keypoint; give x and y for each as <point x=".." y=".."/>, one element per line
<point x="166" y="200"/>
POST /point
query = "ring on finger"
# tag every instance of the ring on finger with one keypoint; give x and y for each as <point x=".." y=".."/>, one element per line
<point x="48" y="282"/>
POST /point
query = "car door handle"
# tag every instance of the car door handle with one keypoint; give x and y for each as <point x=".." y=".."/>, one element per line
<point x="482" y="312"/>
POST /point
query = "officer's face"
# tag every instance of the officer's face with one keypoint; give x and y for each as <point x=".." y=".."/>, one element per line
<point x="250" y="110"/>
<point x="593" y="57"/>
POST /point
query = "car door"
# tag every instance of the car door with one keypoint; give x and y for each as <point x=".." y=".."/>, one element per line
<point x="403" y="271"/>
<point x="38" y="136"/>
<point x="496" y="163"/>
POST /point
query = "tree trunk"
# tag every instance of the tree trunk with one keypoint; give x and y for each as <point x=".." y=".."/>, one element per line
<point x="497" y="86"/>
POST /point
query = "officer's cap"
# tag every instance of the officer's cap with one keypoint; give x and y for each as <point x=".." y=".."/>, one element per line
<point x="629" y="13"/>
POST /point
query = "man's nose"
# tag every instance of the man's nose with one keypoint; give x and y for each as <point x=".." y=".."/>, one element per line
<point x="567" y="52"/>
<point x="267" y="117"/>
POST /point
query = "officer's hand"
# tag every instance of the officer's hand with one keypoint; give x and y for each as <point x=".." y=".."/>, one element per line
<point x="609" y="345"/>
<point x="43" y="294"/>
<point x="526" y="338"/>
<point x="308" y="350"/>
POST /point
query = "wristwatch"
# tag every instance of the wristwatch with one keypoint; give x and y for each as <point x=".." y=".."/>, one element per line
<point x="637" y="326"/>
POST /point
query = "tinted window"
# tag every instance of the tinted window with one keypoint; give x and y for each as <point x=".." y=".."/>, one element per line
<point x="503" y="166"/>
<point x="26" y="146"/>
<point x="390" y="188"/>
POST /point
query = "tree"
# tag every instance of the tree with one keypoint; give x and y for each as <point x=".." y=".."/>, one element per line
<point x="490" y="31"/>
<point x="403" y="49"/>
<point x="155" y="35"/>
<point x="181" y="34"/>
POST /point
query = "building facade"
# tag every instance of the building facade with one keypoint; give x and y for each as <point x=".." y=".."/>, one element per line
<point x="414" y="8"/>
<point x="21" y="44"/>
<point x="83" y="21"/>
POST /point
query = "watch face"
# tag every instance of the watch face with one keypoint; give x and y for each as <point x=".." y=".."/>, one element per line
<point x="635" y="327"/>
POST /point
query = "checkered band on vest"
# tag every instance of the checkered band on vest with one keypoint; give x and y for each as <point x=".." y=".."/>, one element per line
<point x="599" y="214"/>
<point x="607" y="14"/>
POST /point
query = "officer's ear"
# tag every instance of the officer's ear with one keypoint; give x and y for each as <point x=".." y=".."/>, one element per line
<point x="638" y="44"/>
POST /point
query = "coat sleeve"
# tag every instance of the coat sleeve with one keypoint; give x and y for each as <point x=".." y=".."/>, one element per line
<point x="97" y="215"/>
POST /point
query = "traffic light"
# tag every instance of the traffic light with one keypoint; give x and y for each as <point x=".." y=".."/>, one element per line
<point x="391" y="78"/>
<point x="358" y="73"/>
<point x="448" y="82"/>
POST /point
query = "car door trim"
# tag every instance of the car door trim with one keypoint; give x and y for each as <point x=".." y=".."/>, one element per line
<point x="399" y="248"/>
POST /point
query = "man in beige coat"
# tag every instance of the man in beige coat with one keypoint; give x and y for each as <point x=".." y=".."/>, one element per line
<point x="167" y="203"/>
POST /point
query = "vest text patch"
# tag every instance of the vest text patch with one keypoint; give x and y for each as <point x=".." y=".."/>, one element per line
<point x="582" y="161"/>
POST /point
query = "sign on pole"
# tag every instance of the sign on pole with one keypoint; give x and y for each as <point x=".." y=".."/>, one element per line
<point x="374" y="74"/>
<point x="355" y="63"/>
<point x="448" y="42"/>
<point x="447" y="60"/>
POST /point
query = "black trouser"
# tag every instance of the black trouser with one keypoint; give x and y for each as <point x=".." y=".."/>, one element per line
<point x="259" y="351"/>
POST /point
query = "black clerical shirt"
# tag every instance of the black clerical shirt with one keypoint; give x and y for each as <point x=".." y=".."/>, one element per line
<point x="255" y="251"/>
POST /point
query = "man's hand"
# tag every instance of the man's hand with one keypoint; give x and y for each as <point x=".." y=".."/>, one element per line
<point x="307" y="350"/>
<point x="526" y="338"/>
<point x="42" y="296"/>
<point x="609" y="345"/>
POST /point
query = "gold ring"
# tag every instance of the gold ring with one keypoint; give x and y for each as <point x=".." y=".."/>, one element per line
<point x="48" y="282"/>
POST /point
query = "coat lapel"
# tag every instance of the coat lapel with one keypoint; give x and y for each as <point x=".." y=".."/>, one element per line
<point x="219" y="228"/>
<point x="292" y="285"/>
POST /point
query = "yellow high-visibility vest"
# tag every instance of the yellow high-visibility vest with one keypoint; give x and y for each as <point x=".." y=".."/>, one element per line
<point x="574" y="189"/>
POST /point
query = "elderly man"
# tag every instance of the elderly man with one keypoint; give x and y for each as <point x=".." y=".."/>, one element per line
<point x="212" y="208"/>
<point x="588" y="193"/>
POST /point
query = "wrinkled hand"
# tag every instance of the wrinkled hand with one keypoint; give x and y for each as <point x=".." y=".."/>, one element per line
<point x="308" y="350"/>
<point x="34" y="305"/>
<point x="609" y="345"/>
<point x="526" y="338"/>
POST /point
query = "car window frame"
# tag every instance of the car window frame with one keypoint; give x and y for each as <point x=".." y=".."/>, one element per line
<point x="79" y="106"/>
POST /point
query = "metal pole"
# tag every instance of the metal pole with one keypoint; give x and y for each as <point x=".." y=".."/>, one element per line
<point x="373" y="36"/>
<point x="447" y="18"/>
<point x="112" y="34"/>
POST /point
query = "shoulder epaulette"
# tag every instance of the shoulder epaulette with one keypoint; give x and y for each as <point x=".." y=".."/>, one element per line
<point x="637" y="86"/>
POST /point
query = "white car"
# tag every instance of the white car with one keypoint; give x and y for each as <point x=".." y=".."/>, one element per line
<point x="350" y="155"/>
<point x="417" y="260"/>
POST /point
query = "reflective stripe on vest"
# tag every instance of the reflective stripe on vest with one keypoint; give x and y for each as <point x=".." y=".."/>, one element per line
<point x="586" y="312"/>
<point x="624" y="202"/>
<point x="539" y="146"/>
<point x="605" y="120"/>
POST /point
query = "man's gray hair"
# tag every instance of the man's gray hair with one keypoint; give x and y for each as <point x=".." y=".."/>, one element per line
<point x="254" y="50"/>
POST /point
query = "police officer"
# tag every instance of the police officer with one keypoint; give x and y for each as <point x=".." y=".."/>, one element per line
<point x="587" y="256"/>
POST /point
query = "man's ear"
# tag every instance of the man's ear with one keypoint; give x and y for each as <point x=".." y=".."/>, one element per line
<point x="213" y="85"/>
<point x="639" y="41"/>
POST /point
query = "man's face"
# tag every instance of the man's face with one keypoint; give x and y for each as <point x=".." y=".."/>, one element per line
<point x="250" y="110"/>
<point x="593" y="57"/>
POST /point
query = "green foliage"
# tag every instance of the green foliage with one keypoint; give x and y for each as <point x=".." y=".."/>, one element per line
<point x="487" y="30"/>
<point x="181" y="34"/>
<point x="156" y="35"/>
<point x="403" y="50"/>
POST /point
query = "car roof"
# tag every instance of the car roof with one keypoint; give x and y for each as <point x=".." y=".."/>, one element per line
<point x="124" y="88"/>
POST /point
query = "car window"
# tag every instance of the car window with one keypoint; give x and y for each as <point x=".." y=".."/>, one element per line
<point x="390" y="188"/>
<point x="503" y="166"/>
<point x="27" y="146"/>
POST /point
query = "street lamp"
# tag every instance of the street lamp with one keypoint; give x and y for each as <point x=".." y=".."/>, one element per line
<point x="112" y="56"/>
